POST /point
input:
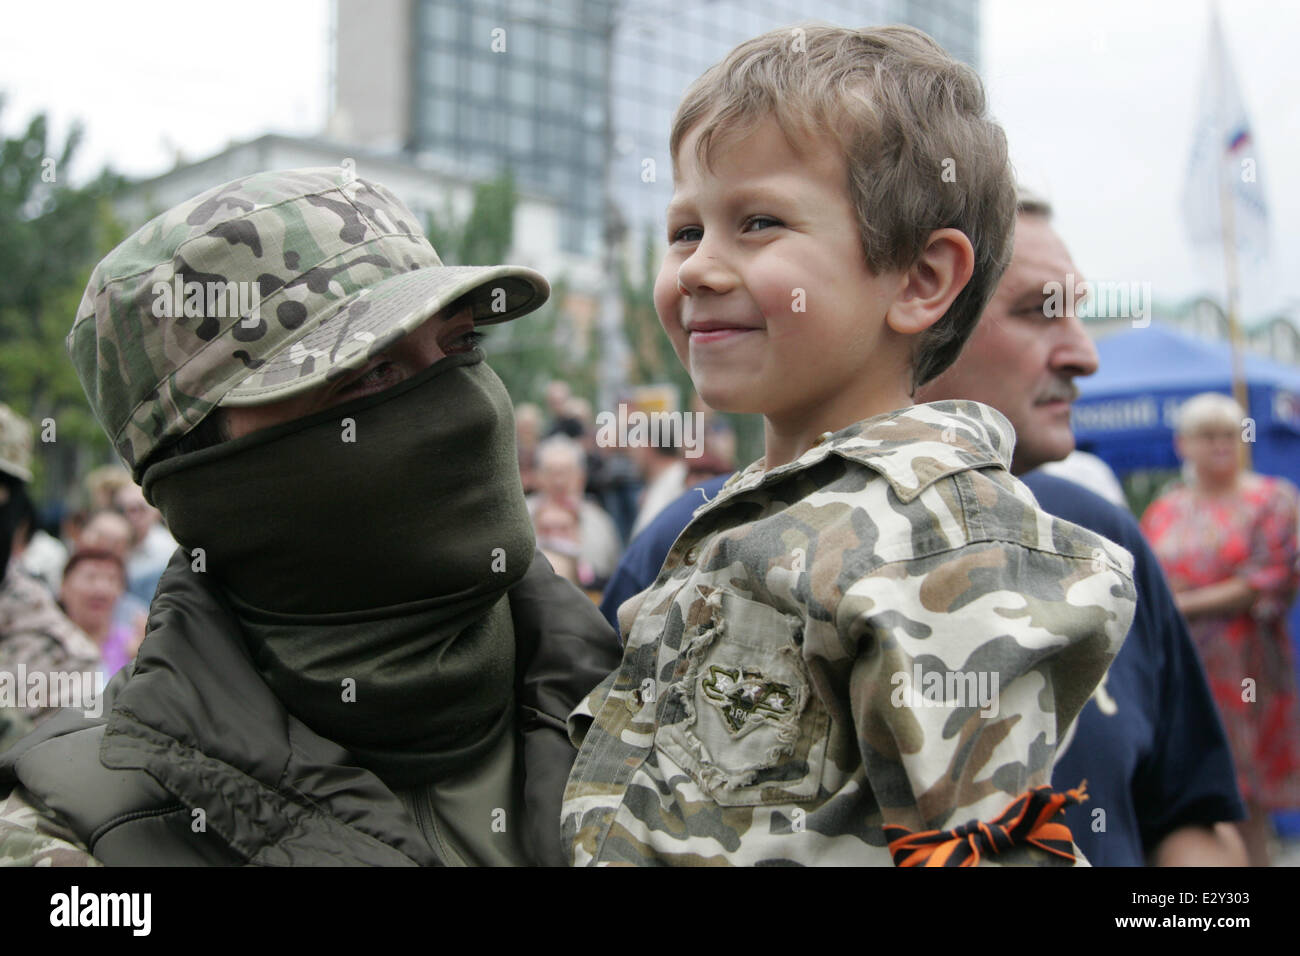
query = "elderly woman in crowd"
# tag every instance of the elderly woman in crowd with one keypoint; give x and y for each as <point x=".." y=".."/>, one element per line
<point x="94" y="580"/>
<point x="1227" y="540"/>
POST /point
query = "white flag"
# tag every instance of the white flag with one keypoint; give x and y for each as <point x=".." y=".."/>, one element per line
<point x="1224" y="151"/>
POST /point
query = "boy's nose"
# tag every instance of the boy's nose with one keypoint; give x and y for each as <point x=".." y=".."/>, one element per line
<point x="703" y="272"/>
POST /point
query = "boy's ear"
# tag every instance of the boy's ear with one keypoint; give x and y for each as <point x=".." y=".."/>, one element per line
<point x="934" y="280"/>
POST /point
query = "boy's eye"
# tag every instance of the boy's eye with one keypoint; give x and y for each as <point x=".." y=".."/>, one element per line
<point x="754" y="223"/>
<point x="686" y="234"/>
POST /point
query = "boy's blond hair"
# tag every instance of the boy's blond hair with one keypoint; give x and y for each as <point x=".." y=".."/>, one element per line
<point x="920" y="150"/>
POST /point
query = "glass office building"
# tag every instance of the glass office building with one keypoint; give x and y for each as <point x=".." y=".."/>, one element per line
<point x="526" y="82"/>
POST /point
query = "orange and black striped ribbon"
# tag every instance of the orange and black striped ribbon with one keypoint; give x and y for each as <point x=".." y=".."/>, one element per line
<point x="1029" y="819"/>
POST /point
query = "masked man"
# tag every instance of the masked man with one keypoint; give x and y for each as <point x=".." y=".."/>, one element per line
<point x="356" y="656"/>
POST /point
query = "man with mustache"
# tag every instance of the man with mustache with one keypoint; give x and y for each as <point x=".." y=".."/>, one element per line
<point x="1149" y="741"/>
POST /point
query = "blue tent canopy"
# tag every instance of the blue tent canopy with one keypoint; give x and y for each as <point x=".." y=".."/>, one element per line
<point x="1126" y="411"/>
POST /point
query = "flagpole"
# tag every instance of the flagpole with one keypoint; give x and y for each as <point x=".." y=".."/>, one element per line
<point x="1227" y="218"/>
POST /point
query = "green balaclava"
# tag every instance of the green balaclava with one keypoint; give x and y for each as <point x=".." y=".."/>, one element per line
<point x="367" y="551"/>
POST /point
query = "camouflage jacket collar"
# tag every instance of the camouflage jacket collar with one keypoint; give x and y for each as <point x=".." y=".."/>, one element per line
<point x="910" y="447"/>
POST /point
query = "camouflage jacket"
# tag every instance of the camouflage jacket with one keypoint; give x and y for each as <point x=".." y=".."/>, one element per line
<point x="46" y="661"/>
<point x="886" y="631"/>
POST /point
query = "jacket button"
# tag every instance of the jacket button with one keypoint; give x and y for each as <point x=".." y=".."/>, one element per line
<point x="824" y="436"/>
<point x="693" y="554"/>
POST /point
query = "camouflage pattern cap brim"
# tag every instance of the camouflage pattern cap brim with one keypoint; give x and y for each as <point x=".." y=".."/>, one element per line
<point x="373" y="319"/>
<point x="259" y="289"/>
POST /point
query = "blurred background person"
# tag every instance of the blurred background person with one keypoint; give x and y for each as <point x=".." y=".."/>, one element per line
<point x="664" y="472"/>
<point x="581" y="427"/>
<point x="102" y="485"/>
<point x="562" y="422"/>
<point x="614" y="479"/>
<point x="1227" y="540"/>
<point x="578" y="409"/>
<point x="556" y="524"/>
<point x="34" y="634"/>
<point x="35" y="550"/>
<point x="105" y="530"/>
<point x="93" y="582"/>
<point x="97" y="493"/>
<point x="562" y="478"/>
<point x="528" y="432"/>
<point x="110" y="531"/>
<point x="151" y="543"/>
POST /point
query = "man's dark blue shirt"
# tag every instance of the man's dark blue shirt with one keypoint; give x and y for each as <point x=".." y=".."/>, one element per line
<point x="646" y="552"/>
<point x="1149" y="741"/>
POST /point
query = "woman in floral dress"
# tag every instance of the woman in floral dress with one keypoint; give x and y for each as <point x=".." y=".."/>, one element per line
<point x="1226" y="538"/>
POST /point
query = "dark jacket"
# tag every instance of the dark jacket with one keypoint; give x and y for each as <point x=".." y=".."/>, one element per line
<point x="196" y="762"/>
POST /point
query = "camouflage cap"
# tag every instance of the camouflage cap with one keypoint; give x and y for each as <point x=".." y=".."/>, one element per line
<point x="261" y="289"/>
<point x="15" y="444"/>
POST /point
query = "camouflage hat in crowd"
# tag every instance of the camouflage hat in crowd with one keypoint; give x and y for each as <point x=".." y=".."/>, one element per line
<point x="258" y="290"/>
<point x="15" y="444"/>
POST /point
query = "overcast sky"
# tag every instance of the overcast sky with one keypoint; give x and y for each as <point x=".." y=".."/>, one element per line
<point x="1098" y="100"/>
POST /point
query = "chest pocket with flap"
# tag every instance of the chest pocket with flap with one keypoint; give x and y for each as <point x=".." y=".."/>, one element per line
<point x="740" y="715"/>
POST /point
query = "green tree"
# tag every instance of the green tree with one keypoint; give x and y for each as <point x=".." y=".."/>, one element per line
<point x="490" y="230"/>
<point x="485" y="237"/>
<point x="51" y="235"/>
<point x="529" y="353"/>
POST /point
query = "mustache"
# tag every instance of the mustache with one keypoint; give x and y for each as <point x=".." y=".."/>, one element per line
<point x="1059" y="390"/>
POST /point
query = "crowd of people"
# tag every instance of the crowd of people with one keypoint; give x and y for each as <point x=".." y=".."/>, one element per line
<point x="394" y="619"/>
<point x="80" y="574"/>
<point x="588" y="500"/>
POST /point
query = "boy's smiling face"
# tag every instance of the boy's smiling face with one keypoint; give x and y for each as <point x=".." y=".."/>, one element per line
<point x="776" y="311"/>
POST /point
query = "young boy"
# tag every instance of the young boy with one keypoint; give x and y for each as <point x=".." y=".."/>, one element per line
<point x="868" y="646"/>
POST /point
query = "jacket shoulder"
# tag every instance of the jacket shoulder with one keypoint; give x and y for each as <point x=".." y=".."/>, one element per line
<point x="31" y="835"/>
<point x="1001" y="507"/>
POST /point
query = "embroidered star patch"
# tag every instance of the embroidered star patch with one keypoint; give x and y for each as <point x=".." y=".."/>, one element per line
<point x="743" y="695"/>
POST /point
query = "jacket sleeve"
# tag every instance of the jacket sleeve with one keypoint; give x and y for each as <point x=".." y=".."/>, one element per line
<point x="968" y="668"/>
<point x="564" y="649"/>
<point x="32" y="834"/>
